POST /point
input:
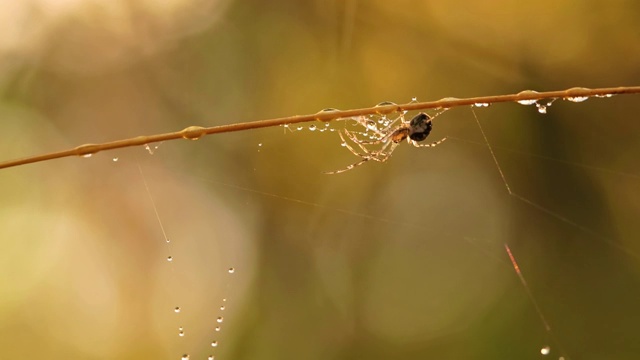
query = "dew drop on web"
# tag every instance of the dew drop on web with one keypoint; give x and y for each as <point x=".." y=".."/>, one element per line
<point x="211" y="357"/>
<point x="220" y="319"/>
<point x="177" y="309"/>
<point x="222" y="308"/>
<point x="115" y="159"/>
<point x="542" y="109"/>
<point x="545" y="350"/>
<point x="312" y="127"/>
<point x="231" y="270"/>
<point x="185" y="357"/>
<point x="87" y="155"/>
<point x="214" y="344"/>
<point x="169" y="258"/>
<point x="217" y="328"/>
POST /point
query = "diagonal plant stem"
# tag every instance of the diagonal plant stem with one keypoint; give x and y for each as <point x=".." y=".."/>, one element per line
<point x="195" y="132"/>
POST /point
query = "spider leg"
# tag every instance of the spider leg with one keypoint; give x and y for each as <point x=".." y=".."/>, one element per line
<point x="433" y="144"/>
<point x="439" y="113"/>
<point x="364" y="160"/>
<point x="353" y="151"/>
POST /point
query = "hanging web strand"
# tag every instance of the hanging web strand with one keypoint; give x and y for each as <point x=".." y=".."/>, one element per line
<point x="545" y="210"/>
<point x="527" y="289"/>
<point x="153" y="203"/>
<point x="547" y="327"/>
<point x="514" y="263"/>
<point x="495" y="160"/>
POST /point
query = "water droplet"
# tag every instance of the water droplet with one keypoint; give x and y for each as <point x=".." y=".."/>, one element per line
<point x="392" y="107"/>
<point x="87" y="155"/>
<point x="542" y="109"/>
<point x="220" y="319"/>
<point x="222" y="308"/>
<point x="481" y="104"/>
<point x="545" y="350"/>
<point x="332" y="130"/>
<point x="604" y="96"/>
<point x="327" y="124"/>
<point x="181" y="333"/>
<point x="211" y="357"/>
<point x="259" y="144"/>
<point x="299" y="128"/>
<point x="148" y="148"/>
<point x="414" y="99"/>
<point x="327" y="114"/>
<point x="217" y="328"/>
<point x="177" y="309"/>
<point x="344" y="144"/>
<point x="574" y="94"/>
<point x="185" y="357"/>
<point x="527" y="93"/>
<point x="193" y="132"/>
<point x="225" y="299"/>
<point x="214" y="344"/>
<point x="577" y="99"/>
<point x="231" y="270"/>
<point x="115" y="159"/>
<point x="167" y="240"/>
<point x="322" y="129"/>
<point x="169" y="258"/>
<point x="312" y="127"/>
<point x="449" y="99"/>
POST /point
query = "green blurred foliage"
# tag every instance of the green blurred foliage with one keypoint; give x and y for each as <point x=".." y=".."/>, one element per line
<point x="398" y="260"/>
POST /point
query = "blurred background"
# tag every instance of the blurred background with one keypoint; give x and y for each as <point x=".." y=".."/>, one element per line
<point x="270" y="258"/>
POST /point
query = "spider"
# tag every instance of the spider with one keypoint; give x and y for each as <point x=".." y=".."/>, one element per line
<point x="415" y="130"/>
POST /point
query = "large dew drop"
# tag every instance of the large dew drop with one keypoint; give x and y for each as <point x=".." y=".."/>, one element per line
<point x="193" y="133"/>
<point x="527" y="93"/>
<point x="327" y="114"/>
<point x="577" y="99"/>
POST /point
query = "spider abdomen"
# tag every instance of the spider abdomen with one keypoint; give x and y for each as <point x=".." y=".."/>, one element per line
<point x="420" y="127"/>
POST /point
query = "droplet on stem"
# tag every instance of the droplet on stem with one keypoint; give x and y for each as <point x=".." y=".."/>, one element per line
<point x="527" y="93"/>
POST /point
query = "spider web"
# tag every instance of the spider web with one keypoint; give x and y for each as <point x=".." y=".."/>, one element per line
<point x="411" y="257"/>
